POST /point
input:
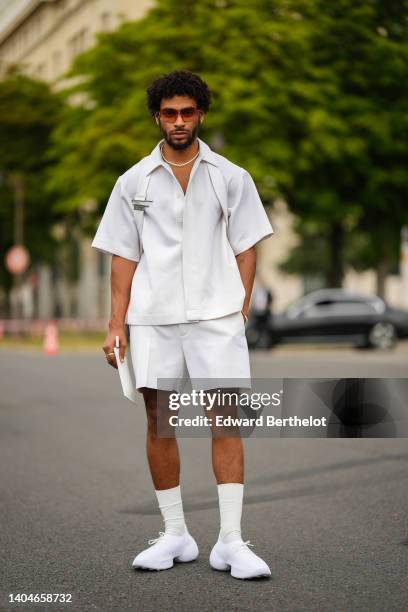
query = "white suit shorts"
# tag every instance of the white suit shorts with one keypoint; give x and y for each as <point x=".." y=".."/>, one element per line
<point x="209" y="354"/>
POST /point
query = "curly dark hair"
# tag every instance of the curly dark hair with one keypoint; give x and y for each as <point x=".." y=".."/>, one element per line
<point x="178" y="83"/>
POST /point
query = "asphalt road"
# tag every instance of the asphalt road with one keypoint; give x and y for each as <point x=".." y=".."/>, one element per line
<point x="77" y="502"/>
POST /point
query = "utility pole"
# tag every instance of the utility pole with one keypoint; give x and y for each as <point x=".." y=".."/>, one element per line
<point x="18" y="185"/>
<point x="404" y="265"/>
<point x="17" y="258"/>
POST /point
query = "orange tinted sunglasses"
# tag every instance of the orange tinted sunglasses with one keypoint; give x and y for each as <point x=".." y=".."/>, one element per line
<point x="171" y="114"/>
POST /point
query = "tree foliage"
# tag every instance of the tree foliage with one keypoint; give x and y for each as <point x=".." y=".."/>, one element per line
<point x="309" y="96"/>
<point x="350" y="174"/>
<point x="28" y="114"/>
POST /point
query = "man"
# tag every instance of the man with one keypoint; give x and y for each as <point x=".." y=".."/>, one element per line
<point x="181" y="226"/>
<point x="260" y="321"/>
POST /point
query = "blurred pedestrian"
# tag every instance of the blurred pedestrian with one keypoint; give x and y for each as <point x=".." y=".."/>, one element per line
<point x="261" y="313"/>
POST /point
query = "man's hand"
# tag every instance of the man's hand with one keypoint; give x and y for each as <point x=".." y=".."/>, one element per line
<point x="110" y="343"/>
<point x="122" y="271"/>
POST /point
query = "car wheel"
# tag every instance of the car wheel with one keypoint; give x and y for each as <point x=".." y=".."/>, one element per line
<point x="382" y="335"/>
<point x="253" y="336"/>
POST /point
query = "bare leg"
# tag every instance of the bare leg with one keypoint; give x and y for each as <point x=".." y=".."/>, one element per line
<point x="162" y="453"/>
<point x="227" y="447"/>
<point x="228" y="460"/>
<point x="175" y="543"/>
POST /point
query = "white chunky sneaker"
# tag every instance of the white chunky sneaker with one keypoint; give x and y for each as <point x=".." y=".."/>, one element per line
<point x="166" y="549"/>
<point x="237" y="556"/>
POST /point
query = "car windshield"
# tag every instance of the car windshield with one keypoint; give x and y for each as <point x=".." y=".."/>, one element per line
<point x="298" y="305"/>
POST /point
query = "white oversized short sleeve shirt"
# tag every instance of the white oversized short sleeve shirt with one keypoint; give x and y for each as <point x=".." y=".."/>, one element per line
<point x="184" y="247"/>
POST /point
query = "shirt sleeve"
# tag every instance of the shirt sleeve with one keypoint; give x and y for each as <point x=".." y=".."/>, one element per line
<point x="248" y="222"/>
<point x="117" y="233"/>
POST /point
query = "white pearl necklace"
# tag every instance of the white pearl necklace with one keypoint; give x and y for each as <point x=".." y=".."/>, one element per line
<point x="174" y="163"/>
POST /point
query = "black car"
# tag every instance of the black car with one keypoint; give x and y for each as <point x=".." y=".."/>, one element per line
<point x="333" y="315"/>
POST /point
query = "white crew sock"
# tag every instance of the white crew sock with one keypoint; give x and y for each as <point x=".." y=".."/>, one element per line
<point x="230" y="496"/>
<point x="171" y="507"/>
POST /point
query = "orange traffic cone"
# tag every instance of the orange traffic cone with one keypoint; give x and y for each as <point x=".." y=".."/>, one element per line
<point x="51" y="342"/>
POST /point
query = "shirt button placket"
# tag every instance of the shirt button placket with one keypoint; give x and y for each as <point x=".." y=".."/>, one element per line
<point x="190" y="266"/>
<point x="179" y="217"/>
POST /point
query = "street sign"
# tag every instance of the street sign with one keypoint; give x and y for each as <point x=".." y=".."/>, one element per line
<point x="17" y="259"/>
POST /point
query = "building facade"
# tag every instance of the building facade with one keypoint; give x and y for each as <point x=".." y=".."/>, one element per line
<point x="46" y="35"/>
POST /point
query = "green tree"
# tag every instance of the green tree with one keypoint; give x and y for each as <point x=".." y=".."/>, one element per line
<point x="309" y="96"/>
<point x="28" y="114"/>
<point x="250" y="54"/>
<point x="350" y="174"/>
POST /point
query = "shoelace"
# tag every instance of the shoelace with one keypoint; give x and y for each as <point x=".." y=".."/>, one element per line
<point x="244" y="544"/>
<point x="161" y="534"/>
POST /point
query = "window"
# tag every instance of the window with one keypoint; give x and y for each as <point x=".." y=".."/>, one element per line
<point x="56" y="63"/>
<point x="323" y="308"/>
<point x="354" y="308"/>
<point x="23" y="39"/>
<point x="38" y="26"/>
<point x="78" y="43"/>
<point x="60" y="8"/>
<point x="105" y="22"/>
<point x="42" y="70"/>
<point x="346" y="308"/>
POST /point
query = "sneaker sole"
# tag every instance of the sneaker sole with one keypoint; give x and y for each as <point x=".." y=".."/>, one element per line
<point x="166" y="566"/>
<point x="158" y="569"/>
<point x="228" y="569"/>
<point x="250" y="577"/>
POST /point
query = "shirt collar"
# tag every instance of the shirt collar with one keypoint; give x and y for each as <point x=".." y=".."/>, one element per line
<point x="155" y="159"/>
